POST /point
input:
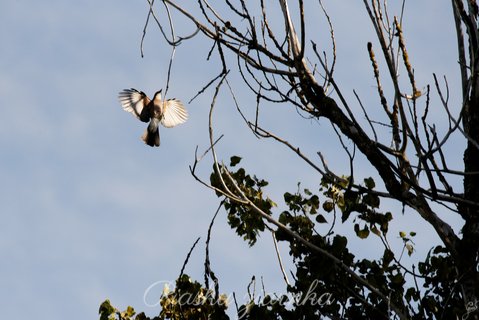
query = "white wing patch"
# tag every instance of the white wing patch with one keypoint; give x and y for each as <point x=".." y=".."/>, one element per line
<point x="174" y="113"/>
<point x="134" y="101"/>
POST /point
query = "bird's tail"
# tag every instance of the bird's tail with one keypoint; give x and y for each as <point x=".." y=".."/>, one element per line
<point x="152" y="134"/>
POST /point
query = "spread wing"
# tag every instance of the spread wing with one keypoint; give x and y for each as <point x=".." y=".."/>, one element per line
<point x="174" y="113"/>
<point x="135" y="102"/>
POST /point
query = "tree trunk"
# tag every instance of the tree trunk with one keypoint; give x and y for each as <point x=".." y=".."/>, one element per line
<point x="470" y="243"/>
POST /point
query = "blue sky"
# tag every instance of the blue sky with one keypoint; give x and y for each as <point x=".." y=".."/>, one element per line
<point x="88" y="211"/>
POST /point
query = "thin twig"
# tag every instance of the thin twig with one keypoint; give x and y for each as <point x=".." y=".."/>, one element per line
<point x="280" y="261"/>
<point x="188" y="257"/>
<point x="208" y="272"/>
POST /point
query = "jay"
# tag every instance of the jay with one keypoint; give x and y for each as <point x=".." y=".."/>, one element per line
<point x="169" y="113"/>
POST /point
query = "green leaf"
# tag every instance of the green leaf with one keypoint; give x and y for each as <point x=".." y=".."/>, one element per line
<point x="328" y="206"/>
<point x="387" y="257"/>
<point x="375" y="231"/>
<point x="141" y="316"/>
<point x="361" y="233"/>
<point x="130" y="311"/>
<point x="321" y="219"/>
<point x="388" y="216"/>
<point x="106" y="309"/>
<point x="271" y="202"/>
<point x="410" y="249"/>
<point x="339" y="243"/>
<point x="397" y="279"/>
<point x="344" y="182"/>
<point x="287" y="197"/>
<point x="234" y="160"/>
<point x="369" y="182"/>
<point x="411" y="293"/>
<point x="345" y="215"/>
<point x="372" y="200"/>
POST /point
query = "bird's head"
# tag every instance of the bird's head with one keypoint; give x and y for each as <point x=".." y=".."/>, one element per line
<point x="157" y="95"/>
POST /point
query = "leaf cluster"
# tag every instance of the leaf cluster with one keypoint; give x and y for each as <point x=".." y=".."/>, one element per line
<point x="241" y="218"/>
<point x="189" y="300"/>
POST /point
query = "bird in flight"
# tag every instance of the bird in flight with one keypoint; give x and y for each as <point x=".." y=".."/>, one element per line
<point x="169" y="112"/>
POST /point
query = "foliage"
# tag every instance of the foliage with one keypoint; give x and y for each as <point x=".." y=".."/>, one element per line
<point x="189" y="300"/>
<point x="321" y="287"/>
<point x="242" y="218"/>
